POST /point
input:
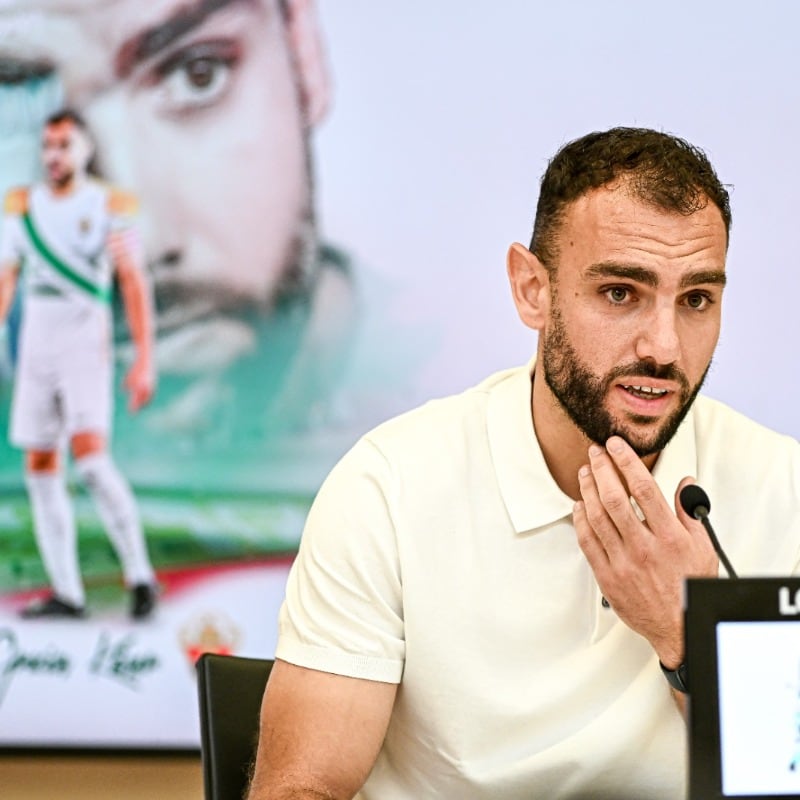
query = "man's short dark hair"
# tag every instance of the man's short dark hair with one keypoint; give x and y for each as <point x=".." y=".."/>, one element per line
<point x="657" y="168"/>
<point x="67" y="115"/>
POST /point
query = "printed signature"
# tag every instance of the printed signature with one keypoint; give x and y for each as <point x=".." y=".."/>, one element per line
<point x="13" y="660"/>
<point x="115" y="658"/>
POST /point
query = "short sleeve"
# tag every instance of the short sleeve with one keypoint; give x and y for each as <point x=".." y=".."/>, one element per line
<point x="124" y="240"/>
<point x="123" y="209"/>
<point x="343" y="608"/>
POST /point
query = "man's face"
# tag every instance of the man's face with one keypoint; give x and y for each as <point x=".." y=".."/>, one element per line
<point x="194" y="105"/>
<point x="635" y="304"/>
<point x="66" y="151"/>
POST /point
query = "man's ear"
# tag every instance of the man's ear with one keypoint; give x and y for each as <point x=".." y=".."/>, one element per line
<point x="530" y="286"/>
<point x="308" y="52"/>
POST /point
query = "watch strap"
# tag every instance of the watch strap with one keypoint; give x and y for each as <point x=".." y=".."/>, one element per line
<point x="677" y="678"/>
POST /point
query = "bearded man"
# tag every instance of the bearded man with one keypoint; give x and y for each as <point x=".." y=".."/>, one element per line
<point x="487" y="599"/>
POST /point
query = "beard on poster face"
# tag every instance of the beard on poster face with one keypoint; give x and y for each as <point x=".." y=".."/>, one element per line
<point x="58" y="176"/>
<point x="182" y="297"/>
<point x="583" y="396"/>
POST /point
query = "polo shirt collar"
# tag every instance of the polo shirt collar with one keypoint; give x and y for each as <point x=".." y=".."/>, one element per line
<point x="531" y="496"/>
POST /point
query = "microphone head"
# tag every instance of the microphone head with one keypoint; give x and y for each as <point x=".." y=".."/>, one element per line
<point x="694" y="501"/>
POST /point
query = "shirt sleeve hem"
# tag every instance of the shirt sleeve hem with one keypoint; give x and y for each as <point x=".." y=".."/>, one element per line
<point x="338" y="662"/>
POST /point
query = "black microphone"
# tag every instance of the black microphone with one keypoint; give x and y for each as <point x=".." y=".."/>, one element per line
<point x="696" y="504"/>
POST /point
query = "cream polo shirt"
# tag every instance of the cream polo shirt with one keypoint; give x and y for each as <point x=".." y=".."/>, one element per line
<point x="440" y="554"/>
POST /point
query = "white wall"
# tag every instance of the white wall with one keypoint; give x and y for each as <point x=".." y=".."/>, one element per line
<point x="445" y="114"/>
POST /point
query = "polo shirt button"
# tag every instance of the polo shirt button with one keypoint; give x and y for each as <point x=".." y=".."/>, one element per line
<point x="605" y="603"/>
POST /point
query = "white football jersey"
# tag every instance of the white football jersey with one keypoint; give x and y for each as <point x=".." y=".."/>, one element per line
<point x="61" y="244"/>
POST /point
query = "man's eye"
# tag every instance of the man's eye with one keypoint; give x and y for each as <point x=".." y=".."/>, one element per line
<point x="618" y="294"/>
<point x="195" y="77"/>
<point x="698" y="301"/>
<point x="202" y="73"/>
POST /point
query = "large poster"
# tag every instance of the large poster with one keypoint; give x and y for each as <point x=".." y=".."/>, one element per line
<point x="326" y="196"/>
<point x="274" y="348"/>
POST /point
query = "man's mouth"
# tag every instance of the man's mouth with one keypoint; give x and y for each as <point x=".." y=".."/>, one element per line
<point x="182" y="299"/>
<point x="177" y="301"/>
<point x="645" y="392"/>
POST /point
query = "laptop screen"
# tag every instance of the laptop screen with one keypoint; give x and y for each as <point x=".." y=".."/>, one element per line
<point x="743" y="663"/>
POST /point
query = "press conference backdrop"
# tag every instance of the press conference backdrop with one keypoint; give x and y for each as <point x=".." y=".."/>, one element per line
<point x="441" y="117"/>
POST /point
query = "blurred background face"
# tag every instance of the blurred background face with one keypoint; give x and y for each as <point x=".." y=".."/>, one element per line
<point x="65" y="153"/>
<point x="195" y="106"/>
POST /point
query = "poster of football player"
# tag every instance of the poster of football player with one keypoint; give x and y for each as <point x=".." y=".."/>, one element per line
<point x="255" y="359"/>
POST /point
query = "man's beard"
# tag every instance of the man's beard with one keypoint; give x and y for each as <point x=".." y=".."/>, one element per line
<point x="62" y="180"/>
<point x="582" y="395"/>
<point x="181" y="298"/>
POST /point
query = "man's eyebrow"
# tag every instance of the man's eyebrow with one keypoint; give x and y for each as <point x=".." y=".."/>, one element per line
<point x="610" y="269"/>
<point x="704" y="276"/>
<point x="648" y="277"/>
<point x="156" y="38"/>
<point x="17" y="70"/>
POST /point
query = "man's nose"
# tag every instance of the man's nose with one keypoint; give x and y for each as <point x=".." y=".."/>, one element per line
<point x="658" y="339"/>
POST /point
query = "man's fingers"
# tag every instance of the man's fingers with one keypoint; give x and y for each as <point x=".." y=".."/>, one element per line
<point x="610" y="487"/>
<point x="141" y="397"/>
<point x="615" y="499"/>
<point x="588" y="541"/>
<point x="593" y="510"/>
<point x="640" y="483"/>
<point x="140" y="389"/>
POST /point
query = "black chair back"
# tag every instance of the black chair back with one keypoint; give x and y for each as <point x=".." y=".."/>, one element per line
<point x="230" y="690"/>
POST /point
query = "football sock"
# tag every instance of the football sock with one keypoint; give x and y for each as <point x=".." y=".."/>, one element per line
<point x="54" y="529"/>
<point x="117" y="510"/>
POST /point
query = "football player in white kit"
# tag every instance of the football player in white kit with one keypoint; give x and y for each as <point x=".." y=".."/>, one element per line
<point x="71" y="234"/>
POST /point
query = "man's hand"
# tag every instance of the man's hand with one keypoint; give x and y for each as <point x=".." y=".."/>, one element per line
<point x="140" y="383"/>
<point x="639" y="565"/>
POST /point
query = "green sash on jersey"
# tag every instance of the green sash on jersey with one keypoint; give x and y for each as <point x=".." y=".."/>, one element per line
<point x="103" y="294"/>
